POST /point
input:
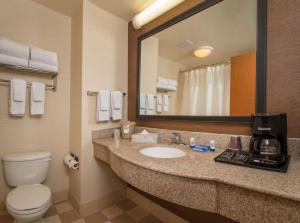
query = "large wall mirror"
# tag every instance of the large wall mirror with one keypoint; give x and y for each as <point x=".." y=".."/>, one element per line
<point x="206" y="64"/>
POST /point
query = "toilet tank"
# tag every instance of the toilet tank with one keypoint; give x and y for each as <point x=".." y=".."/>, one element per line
<point x="26" y="168"/>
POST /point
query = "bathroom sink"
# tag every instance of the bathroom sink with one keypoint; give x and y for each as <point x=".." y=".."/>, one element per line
<point x="162" y="152"/>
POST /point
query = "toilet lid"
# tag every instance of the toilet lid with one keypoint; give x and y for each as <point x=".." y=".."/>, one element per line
<point x="28" y="197"/>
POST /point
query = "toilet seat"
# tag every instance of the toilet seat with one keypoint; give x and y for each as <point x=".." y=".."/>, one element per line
<point x="29" y="199"/>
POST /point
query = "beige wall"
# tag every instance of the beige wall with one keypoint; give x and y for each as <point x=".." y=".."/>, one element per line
<point x="104" y="67"/>
<point x="170" y="70"/>
<point x="76" y="100"/>
<point x="103" y="54"/>
<point x="149" y="65"/>
<point x="30" y="23"/>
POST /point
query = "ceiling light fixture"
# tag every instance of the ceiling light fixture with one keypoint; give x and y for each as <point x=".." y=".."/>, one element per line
<point x="157" y="8"/>
<point x="203" y="51"/>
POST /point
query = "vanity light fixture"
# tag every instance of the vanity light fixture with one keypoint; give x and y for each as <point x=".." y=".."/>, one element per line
<point x="157" y="8"/>
<point x="203" y="51"/>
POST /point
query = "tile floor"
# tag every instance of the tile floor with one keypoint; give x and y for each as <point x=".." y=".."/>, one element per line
<point x="123" y="212"/>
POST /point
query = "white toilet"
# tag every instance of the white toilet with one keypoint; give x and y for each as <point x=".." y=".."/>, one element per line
<point x="30" y="200"/>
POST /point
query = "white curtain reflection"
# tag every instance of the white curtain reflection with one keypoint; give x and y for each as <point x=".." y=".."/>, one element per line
<point x="205" y="91"/>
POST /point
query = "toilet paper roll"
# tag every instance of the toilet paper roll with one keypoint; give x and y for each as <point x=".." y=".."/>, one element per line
<point x="67" y="159"/>
<point x="71" y="162"/>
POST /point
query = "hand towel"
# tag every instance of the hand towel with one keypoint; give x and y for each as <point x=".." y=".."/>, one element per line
<point x="43" y="60"/>
<point x="142" y="104"/>
<point x="14" y="49"/>
<point x="165" y="103"/>
<point x="17" y="97"/>
<point x="116" y="105"/>
<point x="37" y="98"/>
<point x="103" y="106"/>
<point x="149" y="104"/>
<point x="159" y="103"/>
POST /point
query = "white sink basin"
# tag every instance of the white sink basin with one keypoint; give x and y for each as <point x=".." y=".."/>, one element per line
<point x="162" y="152"/>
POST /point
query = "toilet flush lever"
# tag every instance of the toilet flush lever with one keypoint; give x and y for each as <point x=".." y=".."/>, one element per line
<point x="47" y="160"/>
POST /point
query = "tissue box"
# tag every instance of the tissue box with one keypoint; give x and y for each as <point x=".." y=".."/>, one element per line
<point x="145" y="138"/>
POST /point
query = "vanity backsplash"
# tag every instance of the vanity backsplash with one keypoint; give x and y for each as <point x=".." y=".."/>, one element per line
<point x="221" y="140"/>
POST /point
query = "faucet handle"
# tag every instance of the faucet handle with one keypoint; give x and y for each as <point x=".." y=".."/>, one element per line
<point x="176" y="139"/>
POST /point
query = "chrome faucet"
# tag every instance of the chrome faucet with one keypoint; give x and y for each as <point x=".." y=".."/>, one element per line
<point x="176" y="139"/>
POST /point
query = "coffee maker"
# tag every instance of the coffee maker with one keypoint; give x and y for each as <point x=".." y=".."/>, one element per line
<point x="268" y="144"/>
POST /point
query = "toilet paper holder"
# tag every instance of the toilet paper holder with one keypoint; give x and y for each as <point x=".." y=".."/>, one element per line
<point x="72" y="161"/>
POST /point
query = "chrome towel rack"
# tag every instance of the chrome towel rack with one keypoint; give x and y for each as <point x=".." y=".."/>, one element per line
<point x="52" y="87"/>
<point x="95" y="93"/>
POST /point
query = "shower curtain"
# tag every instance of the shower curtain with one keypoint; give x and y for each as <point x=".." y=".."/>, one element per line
<point x="205" y="91"/>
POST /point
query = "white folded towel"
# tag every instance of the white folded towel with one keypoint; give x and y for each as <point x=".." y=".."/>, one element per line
<point x="142" y="104"/>
<point x="149" y="104"/>
<point x="37" y="98"/>
<point x="161" y="80"/>
<point x="159" y="103"/>
<point x="165" y="103"/>
<point x="14" y="61"/>
<point x="17" y="97"/>
<point x="43" y="59"/>
<point x="43" y="66"/>
<point x="172" y="82"/>
<point x="116" y="105"/>
<point x="43" y="56"/>
<point x="166" y="87"/>
<point x="103" y="106"/>
<point x="14" y="49"/>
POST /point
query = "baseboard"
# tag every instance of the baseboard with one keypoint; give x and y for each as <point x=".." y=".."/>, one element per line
<point x="99" y="204"/>
<point x="60" y="196"/>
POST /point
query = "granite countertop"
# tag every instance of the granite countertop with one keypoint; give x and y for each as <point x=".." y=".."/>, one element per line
<point x="197" y="165"/>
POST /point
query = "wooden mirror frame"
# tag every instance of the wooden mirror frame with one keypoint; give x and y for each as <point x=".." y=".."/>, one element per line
<point x="261" y="44"/>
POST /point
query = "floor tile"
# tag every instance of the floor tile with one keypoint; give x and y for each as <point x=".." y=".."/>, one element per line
<point x="68" y="217"/>
<point x="137" y="213"/>
<point x="112" y="212"/>
<point x="6" y="219"/>
<point x="123" y="218"/>
<point x="96" y="218"/>
<point x="51" y="211"/>
<point x="52" y="219"/>
<point x="150" y="219"/>
<point x="126" y="205"/>
<point x="63" y="207"/>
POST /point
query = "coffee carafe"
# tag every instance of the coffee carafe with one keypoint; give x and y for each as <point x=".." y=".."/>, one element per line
<point x="268" y="144"/>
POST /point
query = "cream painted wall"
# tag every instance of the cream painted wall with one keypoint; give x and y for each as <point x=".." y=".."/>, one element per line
<point x="149" y="65"/>
<point x="30" y="23"/>
<point x="76" y="100"/>
<point x="170" y="70"/>
<point x="104" y="66"/>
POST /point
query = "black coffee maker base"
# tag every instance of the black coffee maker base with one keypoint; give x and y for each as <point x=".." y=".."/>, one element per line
<point x="241" y="158"/>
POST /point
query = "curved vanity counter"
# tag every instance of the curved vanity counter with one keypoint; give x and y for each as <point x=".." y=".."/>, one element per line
<point x="198" y="182"/>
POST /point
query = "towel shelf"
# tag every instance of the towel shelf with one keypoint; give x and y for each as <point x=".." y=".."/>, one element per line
<point x="52" y="87"/>
<point x="95" y="93"/>
<point x="28" y="69"/>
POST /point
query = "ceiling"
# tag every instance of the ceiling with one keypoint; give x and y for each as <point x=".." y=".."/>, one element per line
<point x="124" y="9"/>
<point x="229" y="27"/>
